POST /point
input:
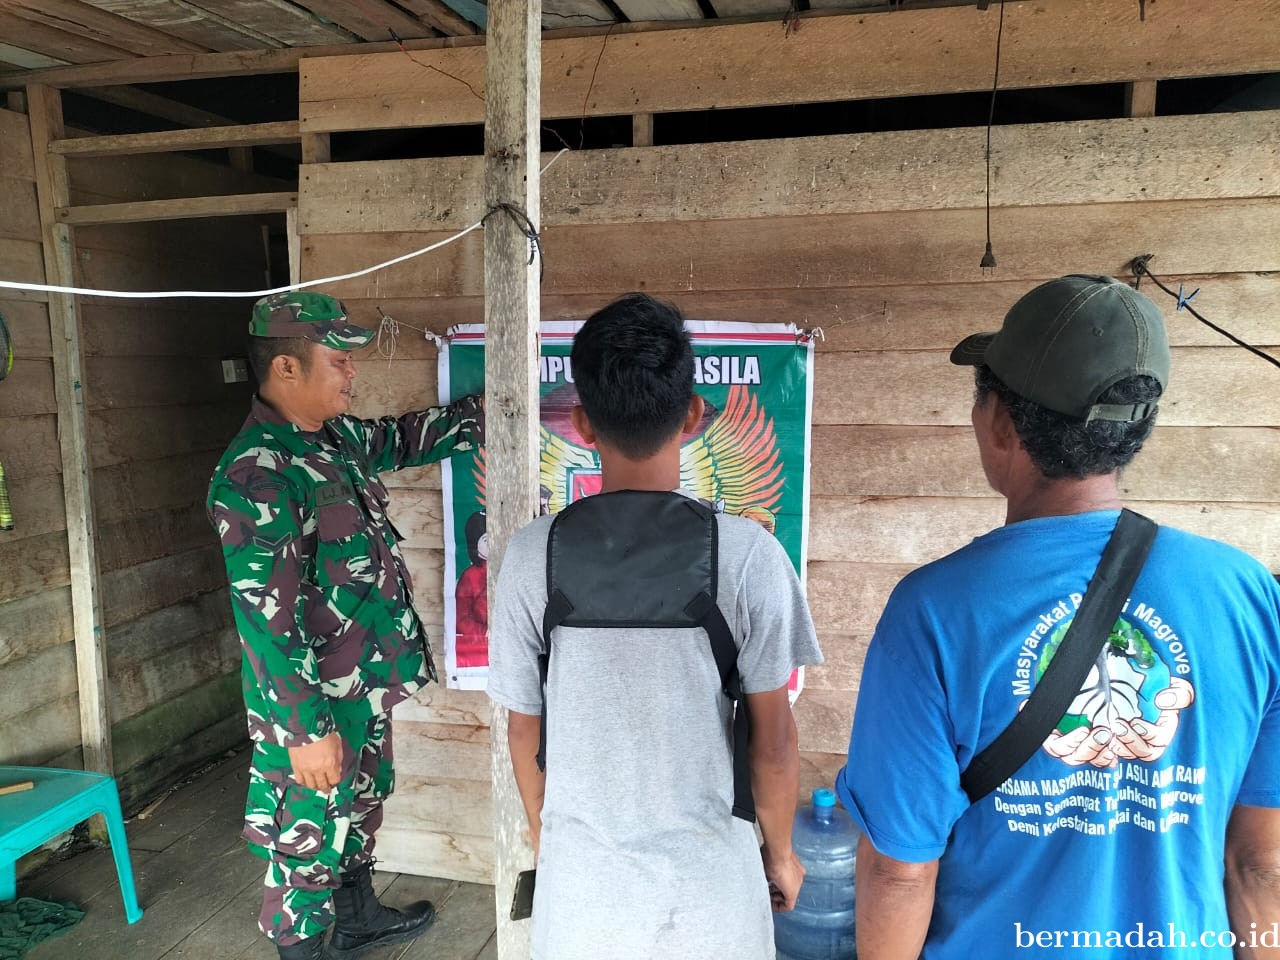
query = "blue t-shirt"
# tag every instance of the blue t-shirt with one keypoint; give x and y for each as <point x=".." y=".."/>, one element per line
<point x="1132" y="829"/>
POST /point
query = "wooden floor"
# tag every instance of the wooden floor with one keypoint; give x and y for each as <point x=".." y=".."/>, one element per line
<point x="201" y="890"/>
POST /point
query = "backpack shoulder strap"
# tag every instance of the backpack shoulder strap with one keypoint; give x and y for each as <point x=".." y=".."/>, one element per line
<point x="632" y="560"/>
<point x="558" y="608"/>
<point x="706" y="611"/>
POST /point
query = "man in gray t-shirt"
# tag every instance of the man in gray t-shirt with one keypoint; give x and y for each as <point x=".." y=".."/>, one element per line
<point x="638" y="853"/>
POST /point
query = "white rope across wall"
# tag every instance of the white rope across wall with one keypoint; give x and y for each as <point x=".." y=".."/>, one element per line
<point x="232" y="294"/>
<point x="250" y="294"/>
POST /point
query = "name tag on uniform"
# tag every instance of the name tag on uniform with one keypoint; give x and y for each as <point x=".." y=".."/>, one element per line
<point x="338" y="491"/>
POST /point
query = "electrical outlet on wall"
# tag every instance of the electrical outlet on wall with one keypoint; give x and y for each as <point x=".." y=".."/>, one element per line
<point x="235" y="370"/>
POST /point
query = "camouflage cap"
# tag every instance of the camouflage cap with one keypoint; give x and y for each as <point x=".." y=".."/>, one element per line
<point x="311" y="316"/>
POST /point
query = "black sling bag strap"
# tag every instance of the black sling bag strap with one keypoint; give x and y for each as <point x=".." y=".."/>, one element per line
<point x="640" y="559"/>
<point x="1112" y="582"/>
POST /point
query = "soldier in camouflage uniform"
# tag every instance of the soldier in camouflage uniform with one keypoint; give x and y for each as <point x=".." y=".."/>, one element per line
<point x="323" y="603"/>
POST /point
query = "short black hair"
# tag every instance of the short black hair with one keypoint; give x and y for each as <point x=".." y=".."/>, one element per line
<point x="262" y="350"/>
<point x="633" y="367"/>
<point x="1062" y="446"/>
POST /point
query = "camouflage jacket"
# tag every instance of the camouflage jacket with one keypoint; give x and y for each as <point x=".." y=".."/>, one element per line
<point x="319" y="588"/>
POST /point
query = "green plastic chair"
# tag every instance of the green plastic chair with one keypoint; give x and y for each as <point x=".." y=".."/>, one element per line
<point x="60" y="800"/>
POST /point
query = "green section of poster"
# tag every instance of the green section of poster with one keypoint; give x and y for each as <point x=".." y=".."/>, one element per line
<point x="748" y="456"/>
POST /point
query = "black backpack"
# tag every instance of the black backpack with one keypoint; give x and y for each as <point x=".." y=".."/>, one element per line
<point x="643" y="559"/>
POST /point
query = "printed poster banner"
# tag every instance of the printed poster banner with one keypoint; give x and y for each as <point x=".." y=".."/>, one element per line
<point x="749" y="456"/>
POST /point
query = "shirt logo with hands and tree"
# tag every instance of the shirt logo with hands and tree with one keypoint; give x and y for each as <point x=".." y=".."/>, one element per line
<point x="1128" y="708"/>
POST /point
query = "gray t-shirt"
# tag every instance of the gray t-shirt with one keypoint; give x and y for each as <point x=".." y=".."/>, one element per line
<point x="640" y="856"/>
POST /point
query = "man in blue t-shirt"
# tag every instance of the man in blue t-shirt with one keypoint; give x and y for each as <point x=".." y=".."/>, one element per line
<point x="1148" y="825"/>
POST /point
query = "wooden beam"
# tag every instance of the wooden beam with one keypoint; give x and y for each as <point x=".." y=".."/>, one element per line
<point x="85" y="20"/>
<point x="52" y="42"/>
<point x="168" y="69"/>
<point x="1177" y="463"/>
<point x="1096" y="161"/>
<point x="52" y="186"/>
<point x="143" y="101"/>
<point x="1210" y="386"/>
<point x="27" y="59"/>
<point x="241" y="158"/>
<point x="511" y="312"/>
<point x="1246" y="17"/>
<point x="315" y="148"/>
<point x="370" y="19"/>
<point x="642" y="130"/>
<point x="440" y="16"/>
<point x="198" y="66"/>
<point x="826" y="7"/>
<point x="284" y="22"/>
<point x="855" y="319"/>
<point x="185" y="208"/>
<point x="660" y="9"/>
<point x="153" y="105"/>
<point x="837" y="250"/>
<point x="562" y="14"/>
<point x="189" y="21"/>
<point x="752" y="8"/>
<point x="294" y="244"/>
<point x="167" y="141"/>
<point x="834" y="58"/>
<point x="1140" y="98"/>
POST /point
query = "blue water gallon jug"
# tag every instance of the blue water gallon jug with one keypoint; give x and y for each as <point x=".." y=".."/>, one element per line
<point x="821" y="926"/>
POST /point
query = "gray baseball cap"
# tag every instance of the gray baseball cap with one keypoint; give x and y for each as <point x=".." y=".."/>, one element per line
<point x="1070" y="340"/>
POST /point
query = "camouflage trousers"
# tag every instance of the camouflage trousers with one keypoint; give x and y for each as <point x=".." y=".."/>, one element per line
<point x="310" y="839"/>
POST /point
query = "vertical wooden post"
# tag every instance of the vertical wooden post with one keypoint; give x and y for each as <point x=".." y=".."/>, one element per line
<point x="45" y="108"/>
<point x="241" y="158"/>
<point x="1140" y="98"/>
<point x="295" y="246"/>
<point x="642" y="129"/>
<point x="315" y="147"/>
<point x="513" y="82"/>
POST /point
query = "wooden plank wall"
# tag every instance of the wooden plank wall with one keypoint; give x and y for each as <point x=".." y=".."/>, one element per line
<point x="38" y="712"/>
<point x="159" y="417"/>
<point x="876" y="238"/>
<point x="828" y="58"/>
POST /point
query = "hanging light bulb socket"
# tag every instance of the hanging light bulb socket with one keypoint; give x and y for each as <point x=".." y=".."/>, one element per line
<point x="988" y="259"/>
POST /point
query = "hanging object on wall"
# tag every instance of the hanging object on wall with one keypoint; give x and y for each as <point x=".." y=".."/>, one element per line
<point x="6" y="364"/>
<point x="6" y="512"/>
<point x="988" y="262"/>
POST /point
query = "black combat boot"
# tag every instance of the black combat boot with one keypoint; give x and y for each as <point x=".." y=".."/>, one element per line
<point x="364" y="924"/>
<point x="311" y="948"/>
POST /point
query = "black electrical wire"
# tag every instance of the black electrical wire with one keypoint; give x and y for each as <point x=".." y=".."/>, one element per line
<point x="528" y="229"/>
<point x="1141" y="270"/>
<point x="989" y="258"/>
<point x="582" y="120"/>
